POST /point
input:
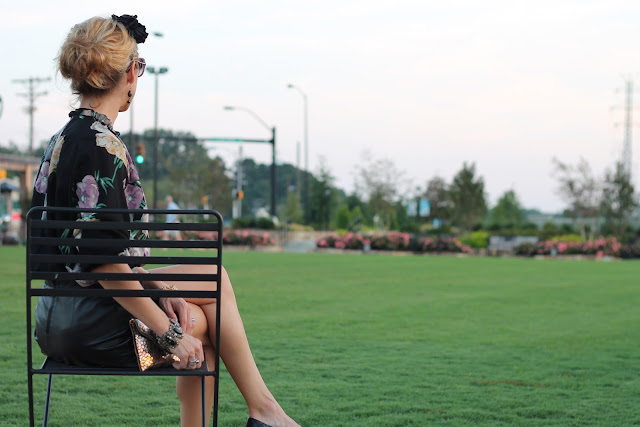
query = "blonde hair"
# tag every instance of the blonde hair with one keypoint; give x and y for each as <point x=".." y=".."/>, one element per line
<point x="95" y="55"/>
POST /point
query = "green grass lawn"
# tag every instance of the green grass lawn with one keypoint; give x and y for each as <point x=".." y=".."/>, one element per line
<point x="389" y="341"/>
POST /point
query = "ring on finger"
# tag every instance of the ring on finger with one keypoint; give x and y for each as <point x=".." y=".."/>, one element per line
<point x="194" y="362"/>
<point x="193" y="320"/>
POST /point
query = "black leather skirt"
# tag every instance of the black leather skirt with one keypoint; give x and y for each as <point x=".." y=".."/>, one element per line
<point x="84" y="331"/>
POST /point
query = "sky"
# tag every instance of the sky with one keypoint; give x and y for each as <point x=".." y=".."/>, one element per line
<point x="505" y="84"/>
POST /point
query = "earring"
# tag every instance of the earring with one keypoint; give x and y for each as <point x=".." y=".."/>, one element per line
<point x="130" y="94"/>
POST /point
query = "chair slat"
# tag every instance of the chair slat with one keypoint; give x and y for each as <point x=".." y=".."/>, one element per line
<point x="130" y="293"/>
<point x="116" y="225"/>
<point x="187" y="277"/>
<point x="117" y="259"/>
<point x="125" y="243"/>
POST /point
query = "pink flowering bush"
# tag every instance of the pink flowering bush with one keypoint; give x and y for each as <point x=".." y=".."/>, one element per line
<point x="247" y="238"/>
<point x="393" y="241"/>
<point x="349" y="241"/>
<point x="328" y="241"/>
<point x="233" y="237"/>
<point x="600" y="247"/>
<point x="629" y="251"/>
<point x="442" y="244"/>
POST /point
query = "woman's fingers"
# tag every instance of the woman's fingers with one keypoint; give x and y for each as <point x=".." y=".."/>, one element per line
<point x="184" y="316"/>
<point x="190" y="353"/>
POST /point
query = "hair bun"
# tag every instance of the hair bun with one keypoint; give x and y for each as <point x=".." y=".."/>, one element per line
<point x="95" y="55"/>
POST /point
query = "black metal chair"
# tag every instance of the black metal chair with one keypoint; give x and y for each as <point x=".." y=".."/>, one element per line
<point x="37" y="271"/>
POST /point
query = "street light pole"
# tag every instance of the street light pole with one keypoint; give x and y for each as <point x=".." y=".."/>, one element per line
<point x="157" y="73"/>
<point x="306" y="153"/>
<point x="272" y="141"/>
<point x="131" y="141"/>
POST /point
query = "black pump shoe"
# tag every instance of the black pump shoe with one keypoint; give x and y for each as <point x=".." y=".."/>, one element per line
<point x="252" y="422"/>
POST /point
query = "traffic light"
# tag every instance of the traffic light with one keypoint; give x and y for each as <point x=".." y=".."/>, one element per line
<point x="140" y="153"/>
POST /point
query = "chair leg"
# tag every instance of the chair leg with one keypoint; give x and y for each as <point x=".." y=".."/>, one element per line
<point x="202" y="395"/>
<point x="45" y="423"/>
<point x="30" y="386"/>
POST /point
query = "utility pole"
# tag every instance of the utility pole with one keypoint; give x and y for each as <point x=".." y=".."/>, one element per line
<point x="156" y="72"/>
<point x="307" y="215"/>
<point x="298" y="180"/>
<point x="628" y="124"/>
<point x="31" y="83"/>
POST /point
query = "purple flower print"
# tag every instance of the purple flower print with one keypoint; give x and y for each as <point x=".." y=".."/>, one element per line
<point x="134" y="196"/>
<point x="43" y="179"/>
<point x="133" y="172"/>
<point x="87" y="192"/>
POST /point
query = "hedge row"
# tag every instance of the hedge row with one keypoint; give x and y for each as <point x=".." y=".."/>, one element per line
<point x="231" y="237"/>
<point x="392" y="241"/>
<point x="601" y="247"/>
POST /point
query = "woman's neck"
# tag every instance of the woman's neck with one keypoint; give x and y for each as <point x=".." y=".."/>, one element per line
<point x="101" y="105"/>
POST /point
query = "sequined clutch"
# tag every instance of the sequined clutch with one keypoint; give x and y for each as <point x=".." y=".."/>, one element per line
<point x="149" y="354"/>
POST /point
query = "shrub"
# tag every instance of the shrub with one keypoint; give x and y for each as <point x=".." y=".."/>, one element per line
<point x="569" y="238"/>
<point x="247" y="238"/>
<point x="600" y="247"/>
<point x="477" y="239"/>
<point x="259" y="223"/>
<point x="393" y="241"/>
<point x="355" y="241"/>
<point x="328" y="241"/>
<point x="443" y="244"/>
<point x="629" y="251"/>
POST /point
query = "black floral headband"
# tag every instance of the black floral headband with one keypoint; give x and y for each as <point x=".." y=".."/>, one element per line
<point x="135" y="29"/>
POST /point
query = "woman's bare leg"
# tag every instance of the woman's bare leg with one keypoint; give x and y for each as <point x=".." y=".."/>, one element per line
<point x="188" y="389"/>
<point x="234" y="346"/>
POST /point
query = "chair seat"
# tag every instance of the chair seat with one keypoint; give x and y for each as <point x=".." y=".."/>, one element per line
<point x="54" y="367"/>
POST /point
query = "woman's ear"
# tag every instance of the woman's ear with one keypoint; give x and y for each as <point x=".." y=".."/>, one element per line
<point x="132" y="73"/>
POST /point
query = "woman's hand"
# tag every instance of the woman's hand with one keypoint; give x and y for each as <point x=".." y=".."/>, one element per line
<point x="189" y="350"/>
<point x="178" y="309"/>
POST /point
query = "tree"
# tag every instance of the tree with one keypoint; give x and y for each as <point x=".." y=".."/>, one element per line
<point x="468" y="198"/>
<point x="343" y="217"/>
<point x="438" y="195"/>
<point x="360" y="210"/>
<point x="185" y="171"/>
<point x="618" y="199"/>
<point x="581" y="191"/>
<point x="379" y="181"/>
<point x="292" y="210"/>
<point x="321" y="198"/>
<point x="508" y="212"/>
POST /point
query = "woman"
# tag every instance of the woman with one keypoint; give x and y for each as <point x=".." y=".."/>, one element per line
<point x="87" y="165"/>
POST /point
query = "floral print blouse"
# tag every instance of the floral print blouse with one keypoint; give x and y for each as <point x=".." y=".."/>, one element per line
<point x="87" y="165"/>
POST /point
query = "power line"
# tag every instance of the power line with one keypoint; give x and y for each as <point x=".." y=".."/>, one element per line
<point x="31" y="96"/>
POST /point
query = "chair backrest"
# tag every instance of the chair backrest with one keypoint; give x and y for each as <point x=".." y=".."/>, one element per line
<point x="115" y="230"/>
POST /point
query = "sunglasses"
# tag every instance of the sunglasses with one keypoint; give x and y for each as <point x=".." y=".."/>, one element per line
<point x="142" y="64"/>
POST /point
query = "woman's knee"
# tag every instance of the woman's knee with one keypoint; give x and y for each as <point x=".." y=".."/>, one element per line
<point x="226" y="282"/>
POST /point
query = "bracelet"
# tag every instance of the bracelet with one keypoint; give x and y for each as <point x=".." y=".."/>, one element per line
<point x="169" y="288"/>
<point x="170" y="339"/>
